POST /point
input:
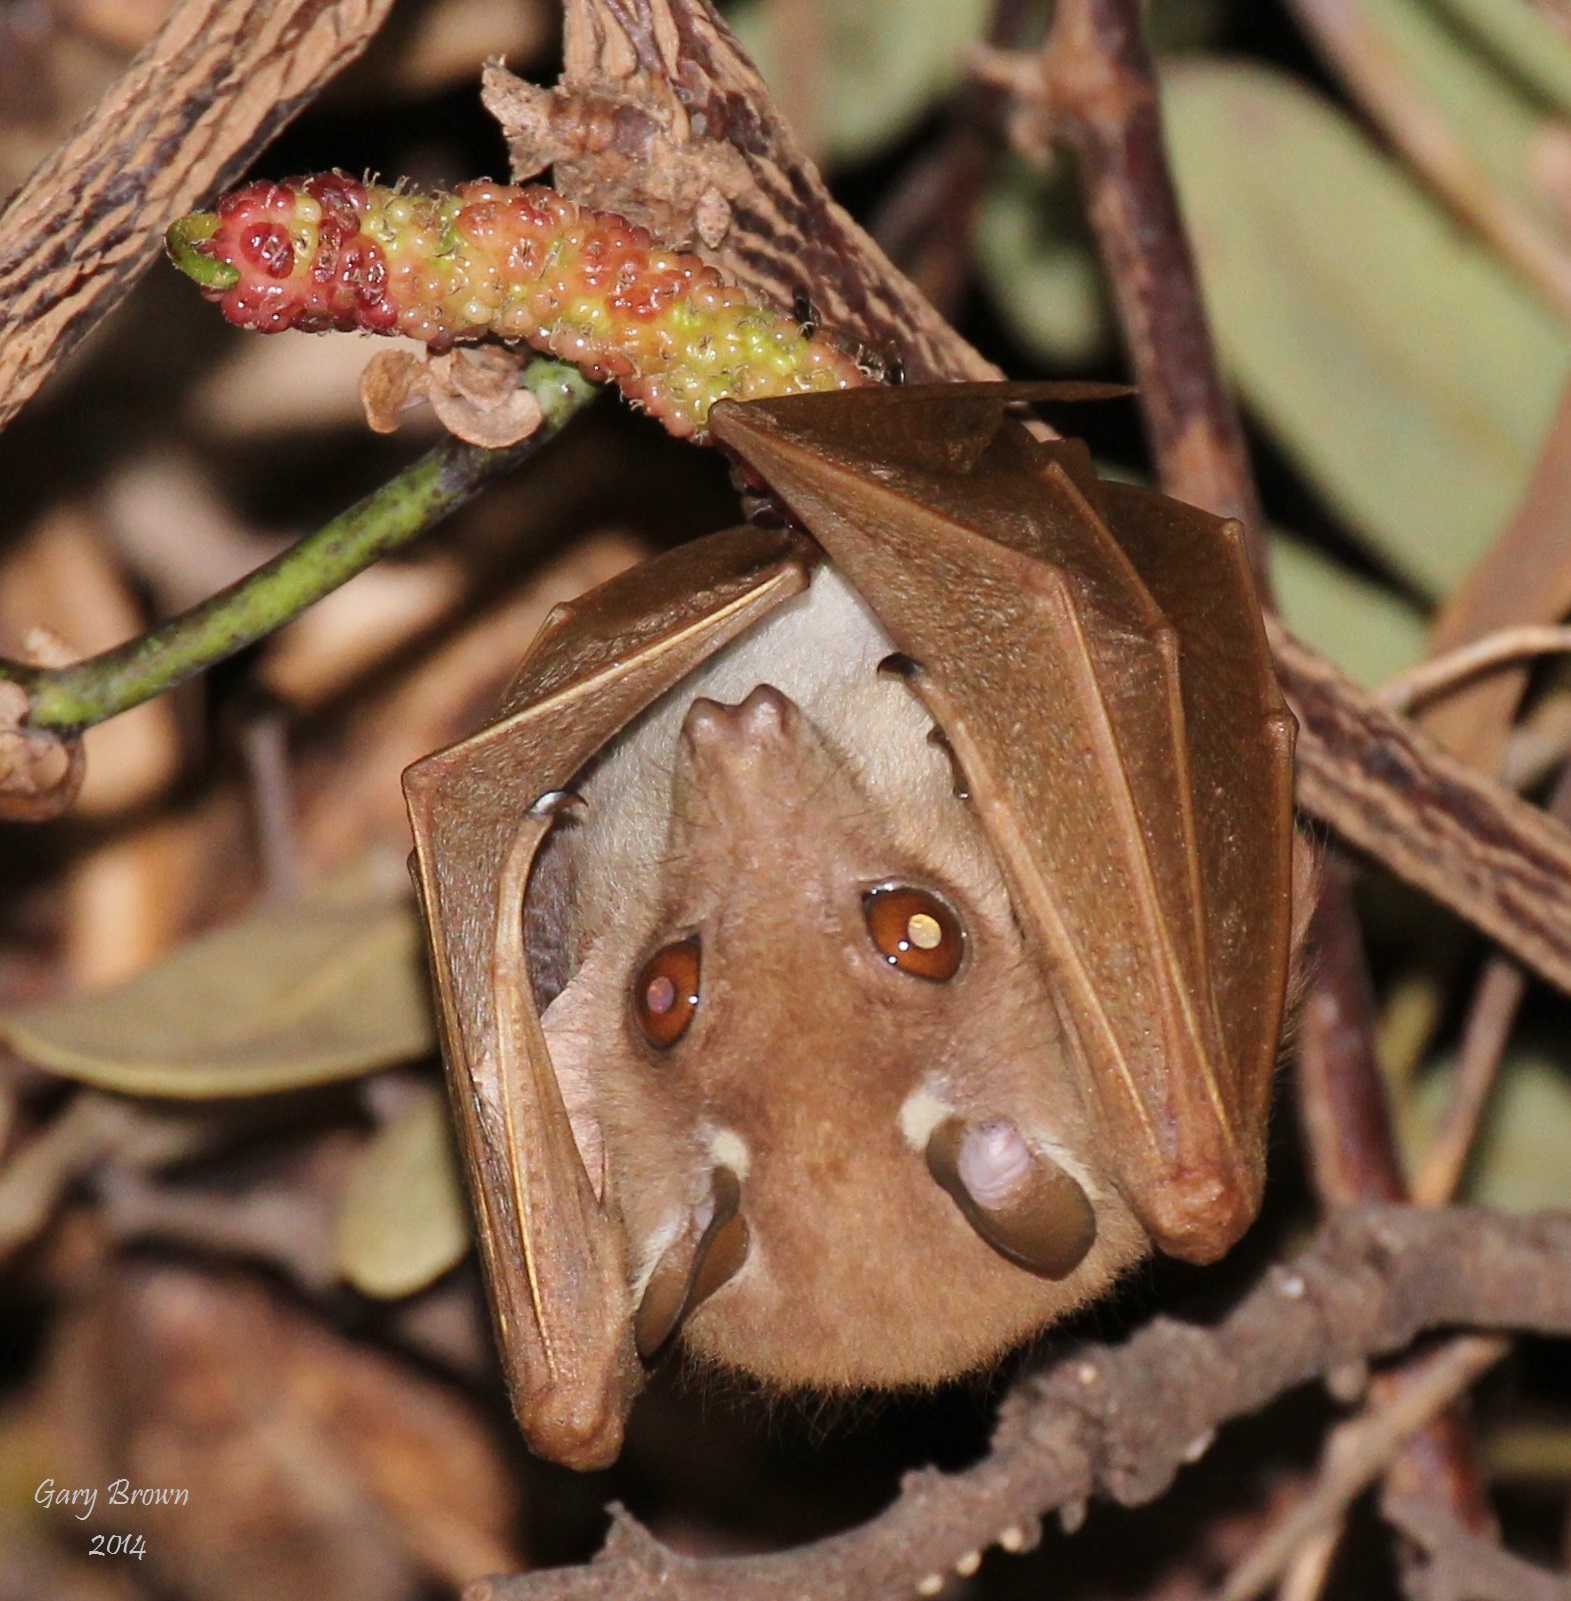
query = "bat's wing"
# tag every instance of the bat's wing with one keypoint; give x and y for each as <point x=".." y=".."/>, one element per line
<point x="1096" y="658"/>
<point x="554" y="1256"/>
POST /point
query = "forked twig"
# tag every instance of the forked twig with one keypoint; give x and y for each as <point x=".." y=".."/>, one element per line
<point x="1357" y="1452"/>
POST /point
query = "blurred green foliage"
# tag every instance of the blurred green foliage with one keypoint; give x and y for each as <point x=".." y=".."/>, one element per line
<point x="882" y="63"/>
<point x="1406" y="370"/>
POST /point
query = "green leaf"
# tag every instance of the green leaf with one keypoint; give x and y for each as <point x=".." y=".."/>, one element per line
<point x="1520" y="1159"/>
<point x="1408" y="373"/>
<point x="1368" y="630"/>
<point x="1519" y="38"/>
<point x="1528" y="1450"/>
<point x="1035" y="257"/>
<point x="286" y="997"/>
<point x="1173" y="25"/>
<point x="404" y="1221"/>
<point x="1490" y="110"/>
<point x="883" y="62"/>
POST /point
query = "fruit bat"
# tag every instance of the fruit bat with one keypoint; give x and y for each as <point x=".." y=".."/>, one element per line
<point x="858" y="941"/>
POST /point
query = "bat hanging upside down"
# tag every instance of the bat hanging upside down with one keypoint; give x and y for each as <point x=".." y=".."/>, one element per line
<point x="855" y="950"/>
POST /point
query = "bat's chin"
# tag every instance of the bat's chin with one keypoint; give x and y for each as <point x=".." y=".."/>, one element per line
<point x="888" y="1313"/>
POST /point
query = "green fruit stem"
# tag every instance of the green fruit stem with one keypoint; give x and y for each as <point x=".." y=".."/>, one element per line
<point x="68" y="699"/>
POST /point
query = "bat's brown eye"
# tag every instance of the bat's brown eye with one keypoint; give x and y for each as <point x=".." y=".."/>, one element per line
<point x="666" y="993"/>
<point x="914" y="931"/>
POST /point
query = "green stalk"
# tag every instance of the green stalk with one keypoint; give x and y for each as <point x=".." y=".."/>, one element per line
<point x="66" y="699"/>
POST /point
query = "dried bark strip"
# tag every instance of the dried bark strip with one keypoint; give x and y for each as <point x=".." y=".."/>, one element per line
<point x="1122" y="1421"/>
<point x="221" y="78"/>
<point x="1390" y="790"/>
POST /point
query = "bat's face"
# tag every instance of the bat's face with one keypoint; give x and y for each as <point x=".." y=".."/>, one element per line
<point x="839" y="1113"/>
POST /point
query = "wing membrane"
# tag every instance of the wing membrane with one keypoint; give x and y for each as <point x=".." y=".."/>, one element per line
<point x="554" y="1255"/>
<point x="1066" y="658"/>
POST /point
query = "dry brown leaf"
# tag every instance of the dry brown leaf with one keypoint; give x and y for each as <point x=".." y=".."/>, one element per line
<point x="123" y="25"/>
<point x="290" y="380"/>
<point x="347" y="633"/>
<point x="1525" y="577"/>
<point x="129" y="899"/>
<point x="167" y="521"/>
<point x="50" y="78"/>
<point x="475" y="394"/>
<point x="288" y="996"/>
<point x="63" y="578"/>
<point x="36" y="1559"/>
<point x="314" y="1467"/>
<point x="454" y="36"/>
<point x="359" y="798"/>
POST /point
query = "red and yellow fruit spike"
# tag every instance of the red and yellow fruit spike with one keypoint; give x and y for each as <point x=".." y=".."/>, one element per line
<point x="492" y="260"/>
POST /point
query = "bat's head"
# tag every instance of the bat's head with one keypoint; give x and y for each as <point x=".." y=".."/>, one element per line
<point x="846" y="1130"/>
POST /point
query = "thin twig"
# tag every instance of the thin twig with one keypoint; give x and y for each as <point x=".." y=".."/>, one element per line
<point x="1524" y="577"/>
<point x="263" y="738"/>
<point x="87" y="692"/>
<point x="1357" y="1452"/>
<point x="1343" y="1109"/>
<point x="1484" y="1035"/>
<point x="219" y="80"/>
<point x="1093" y="85"/>
<point x="1463" y="1566"/>
<point x="1403" y="691"/>
<point x="927" y="221"/>
<point x="1304" y="1577"/>
<point x="1490" y="1016"/>
<point x="37" y="1176"/>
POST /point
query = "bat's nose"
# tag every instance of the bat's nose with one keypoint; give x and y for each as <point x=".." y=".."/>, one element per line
<point x="751" y="752"/>
<point x="766" y="718"/>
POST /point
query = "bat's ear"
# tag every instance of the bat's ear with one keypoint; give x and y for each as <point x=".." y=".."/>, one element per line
<point x="942" y="428"/>
<point x="553" y="1250"/>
